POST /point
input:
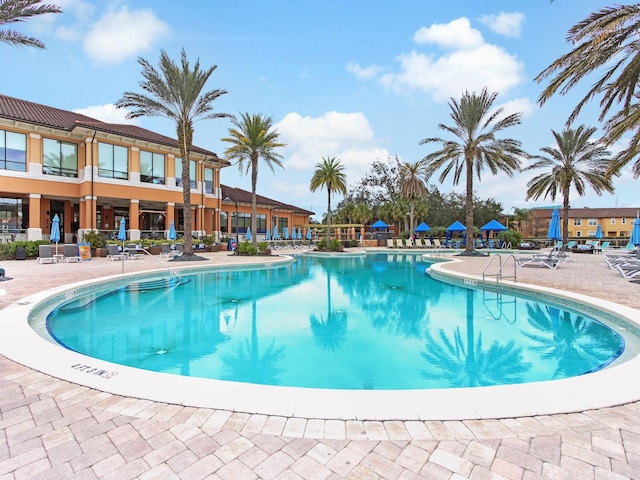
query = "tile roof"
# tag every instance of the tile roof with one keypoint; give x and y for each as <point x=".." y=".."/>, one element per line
<point x="627" y="212"/>
<point x="243" y="196"/>
<point x="38" y="114"/>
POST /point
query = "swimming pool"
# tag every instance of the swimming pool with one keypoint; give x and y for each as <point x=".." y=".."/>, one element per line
<point x="373" y="322"/>
<point x="20" y="341"/>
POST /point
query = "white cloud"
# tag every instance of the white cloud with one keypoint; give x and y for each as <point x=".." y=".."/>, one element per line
<point x="123" y="34"/>
<point x="454" y="35"/>
<point x="449" y="75"/>
<point x="523" y="105"/>
<point x="469" y="64"/>
<point x="364" y="72"/>
<point x="106" y="113"/>
<point x="508" y="24"/>
<point x="347" y="136"/>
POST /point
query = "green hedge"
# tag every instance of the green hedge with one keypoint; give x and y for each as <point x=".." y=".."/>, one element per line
<point x="8" y="250"/>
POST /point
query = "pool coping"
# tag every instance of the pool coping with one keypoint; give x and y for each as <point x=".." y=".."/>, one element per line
<point x="608" y="387"/>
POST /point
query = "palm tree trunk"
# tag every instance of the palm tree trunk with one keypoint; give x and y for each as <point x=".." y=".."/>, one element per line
<point x="254" y="215"/>
<point x="412" y="206"/>
<point x="185" y="136"/>
<point x="469" y="202"/>
<point x="328" y="216"/>
<point x="565" y="217"/>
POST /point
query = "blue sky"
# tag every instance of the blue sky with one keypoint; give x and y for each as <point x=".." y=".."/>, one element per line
<point x="359" y="80"/>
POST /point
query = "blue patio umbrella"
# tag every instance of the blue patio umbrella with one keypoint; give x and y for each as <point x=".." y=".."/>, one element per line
<point x="599" y="232"/>
<point x="286" y="233"/>
<point x="293" y="233"/>
<point x="554" y="226"/>
<point x="300" y="233"/>
<point x="423" y="227"/>
<point x="249" y="234"/>
<point x="122" y="233"/>
<point x="494" y="226"/>
<point x="309" y="234"/>
<point x="456" y="227"/>
<point x="635" y="233"/>
<point x="55" y="230"/>
<point x="172" y="232"/>
<point x="267" y="236"/>
<point x="275" y="232"/>
<point x="379" y="225"/>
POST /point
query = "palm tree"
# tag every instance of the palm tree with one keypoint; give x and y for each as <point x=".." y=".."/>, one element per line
<point x="575" y="162"/>
<point x="475" y="125"/>
<point x="253" y="138"/>
<point x="412" y="186"/>
<point x="520" y="215"/>
<point x="15" y="11"/>
<point x="329" y="173"/>
<point x="175" y="92"/>
<point x="605" y="40"/>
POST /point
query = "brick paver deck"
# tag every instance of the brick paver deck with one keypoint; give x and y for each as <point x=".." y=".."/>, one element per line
<point x="52" y="429"/>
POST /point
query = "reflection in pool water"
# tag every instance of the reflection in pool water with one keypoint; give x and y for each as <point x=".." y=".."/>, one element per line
<point x="370" y="322"/>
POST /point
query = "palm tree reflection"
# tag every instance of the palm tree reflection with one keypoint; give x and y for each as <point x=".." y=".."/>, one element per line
<point x="467" y="363"/>
<point x="329" y="332"/>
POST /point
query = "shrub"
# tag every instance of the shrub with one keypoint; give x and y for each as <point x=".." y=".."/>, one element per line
<point x="511" y="236"/>
<point x="8" y="250"/>
<point x="334" y="245"/>
<point x="246" y="248"/>
<point x="95" y="238"/>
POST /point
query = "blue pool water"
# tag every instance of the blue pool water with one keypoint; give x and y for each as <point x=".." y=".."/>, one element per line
<point x="370" y="322"/>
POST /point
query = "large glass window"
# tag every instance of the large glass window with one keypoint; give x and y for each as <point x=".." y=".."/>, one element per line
<point x="114" y="161"/>
<point x="59" y="158"/>
<point x="13" y="151"/>
<point x="12" y="217"/>
<point x="282" y="222"/>
<point x="577" y="222"/>
<point x="261" y="220"/>
<point x="192" y="173"/>
<point x="151" y="167"/>
<point x="240" y="222"/>
<point x="208" y="180"/>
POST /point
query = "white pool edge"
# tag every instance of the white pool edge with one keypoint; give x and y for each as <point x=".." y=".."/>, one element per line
<point x="609" y="387"/>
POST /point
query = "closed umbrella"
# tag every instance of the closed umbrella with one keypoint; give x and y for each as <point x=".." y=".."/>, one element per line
<point x="599" y="232"/>
<point x="268" y="235"/>
<point x="286" y="233"/>
<point x="554" y="226"/>
<point x="275" y="232"/>
<point x="309" y="234"/>
<point x="122" y="233"/>
<point x="249" y="234"/>
<point x="635" y="233"/>
<point x="300" y="233"/>
<point x="55" y="230"/>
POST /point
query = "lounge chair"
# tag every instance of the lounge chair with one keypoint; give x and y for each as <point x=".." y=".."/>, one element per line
<point x="114" y="253"/>
<point x="165" y="250"/>
<point x="436" y="243"/>
<point x="419" y="243"/>
<point x="427" y="243"/>
<point x="571" y="244"/>
<point x="601" y="247"/>
<point x="133" y="252"/>
<point x="550" y="260"/>
<point x="399" y="243"/>
<point x="628" y="270"/>
<point x="45" y="255"/>
<point x="390" y="243"/>
<point x="178" y="249"/>
<point x="71" y="253"/>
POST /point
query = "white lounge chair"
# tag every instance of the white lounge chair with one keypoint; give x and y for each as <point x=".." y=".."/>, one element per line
<point x="549" y="260"/>
<point x="114" y="253"/>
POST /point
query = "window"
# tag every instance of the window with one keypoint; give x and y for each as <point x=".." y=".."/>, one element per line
<point x="208" y="180"/>
<point x="59" y="158"/>
<point x="12" y="214"/>
<point x="113" y="161"/>
<point x="151" y="167"/>
<point x="613" y="221"/>
<point x="624" y="220"/>
<point x="577" y="222"/>
<point x="578" y="234"/>
<point x="282" y="223"/>
<point x="224" y="221"/>
<point x="592" y="222"/>
<point x="13" y="151"/>
<point x="192" y="173"/>
<point x="591" y="233"/>
<point x="261" y="222"/>
<point x="241" y="222"/>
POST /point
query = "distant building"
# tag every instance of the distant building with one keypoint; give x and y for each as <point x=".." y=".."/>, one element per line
<point x="91" y="174"/>
<point x="583" y="222"/>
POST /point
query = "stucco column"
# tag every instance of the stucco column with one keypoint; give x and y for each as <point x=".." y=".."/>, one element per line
<point x="34" y="231"/>
<point x="134" y="219"/>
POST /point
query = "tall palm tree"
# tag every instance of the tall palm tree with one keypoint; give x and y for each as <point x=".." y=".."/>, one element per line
<point x="606" y="40"/>
<point x="520" y="215"/>
<point x="576" y="162"/>
<point x="329" y="174"/>
<point x="253" y="138"/>
<point x="412" y="186"/>
<point x="475" y="125"/>
<point x="15" y="11"/>
<point x="175" y="92"/>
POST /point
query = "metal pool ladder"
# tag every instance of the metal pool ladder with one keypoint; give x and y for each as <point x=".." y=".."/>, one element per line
<point x="499" y="274"/>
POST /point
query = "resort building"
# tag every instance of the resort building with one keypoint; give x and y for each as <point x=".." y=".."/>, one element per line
<point x="615" y="223"/>
<point x="91" y="174"/>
